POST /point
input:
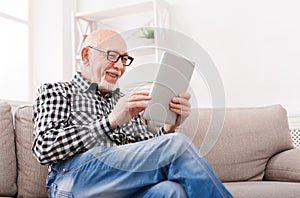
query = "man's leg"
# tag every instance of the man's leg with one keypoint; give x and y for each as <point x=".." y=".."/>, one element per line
<point x="164" y="189"/>
<point x="124" y="170"/>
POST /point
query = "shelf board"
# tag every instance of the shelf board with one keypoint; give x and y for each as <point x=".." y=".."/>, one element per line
<point x="116" y="11"/>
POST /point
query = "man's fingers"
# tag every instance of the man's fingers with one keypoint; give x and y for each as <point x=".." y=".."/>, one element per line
<point x="139" y="96"/>
<point x="180" y="101"/>
<point x="146" y="93"/>
<point x="182" y="113"/>
<point x="138" y="104"/>
<point x="185" y="95"/>
<point x="179" y="106"/>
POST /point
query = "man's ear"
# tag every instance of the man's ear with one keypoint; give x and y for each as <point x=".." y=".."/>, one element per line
<point x="85" y="55"/>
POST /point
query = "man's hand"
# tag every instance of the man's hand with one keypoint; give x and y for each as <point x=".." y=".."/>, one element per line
<point x="182" y="107"/>
<point x="127" y="107"/>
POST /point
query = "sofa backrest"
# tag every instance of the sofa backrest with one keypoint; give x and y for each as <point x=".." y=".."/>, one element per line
<point x="8" y="163"/>
<point x="238" y="142"/>
<point x="31" y="175"/>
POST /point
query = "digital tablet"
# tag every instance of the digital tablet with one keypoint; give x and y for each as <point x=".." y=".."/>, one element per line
<point x="173" y="77"/>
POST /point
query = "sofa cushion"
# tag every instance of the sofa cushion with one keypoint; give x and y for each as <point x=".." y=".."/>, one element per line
<point x="32" y="176"/>
<point x="8" y="167"/>
<point x="238" y="142"/>
<point x="263" y="189"/>
<point x="284" y="166"/>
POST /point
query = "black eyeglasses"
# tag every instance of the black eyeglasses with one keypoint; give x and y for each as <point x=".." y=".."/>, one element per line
<point x="114" y="56"/>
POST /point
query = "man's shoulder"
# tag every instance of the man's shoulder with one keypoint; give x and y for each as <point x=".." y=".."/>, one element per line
<point x="57" y="87"/>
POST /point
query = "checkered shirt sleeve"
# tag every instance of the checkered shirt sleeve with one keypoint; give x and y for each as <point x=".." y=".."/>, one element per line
<point x="53" y="139"/>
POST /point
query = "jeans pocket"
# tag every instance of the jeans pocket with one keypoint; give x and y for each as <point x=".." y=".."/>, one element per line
<point x="50" y="179"/>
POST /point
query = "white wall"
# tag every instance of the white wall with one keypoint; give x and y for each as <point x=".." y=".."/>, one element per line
<point x="255" y="45"/>
<point x="50" y="39"/>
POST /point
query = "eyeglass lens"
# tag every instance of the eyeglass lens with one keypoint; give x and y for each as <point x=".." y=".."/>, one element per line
<point x="115" y="56"/>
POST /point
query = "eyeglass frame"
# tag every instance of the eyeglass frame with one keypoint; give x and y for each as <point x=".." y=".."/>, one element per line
<point x="107" y="55"/>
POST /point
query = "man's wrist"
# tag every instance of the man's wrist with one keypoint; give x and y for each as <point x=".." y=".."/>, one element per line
<point x="169" y="128"/>
<point x="113" y="124"/>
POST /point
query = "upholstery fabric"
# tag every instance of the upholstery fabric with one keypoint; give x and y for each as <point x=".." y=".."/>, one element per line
<point x="264" y="189"/>
<point x="8" y="173"/>
<point x="32" y="176"/>
<point x="284" y="166"/>
<point x="239" y="141"/>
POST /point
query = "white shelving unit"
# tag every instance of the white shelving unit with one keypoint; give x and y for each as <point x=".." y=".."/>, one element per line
<point x="149" y="13"/>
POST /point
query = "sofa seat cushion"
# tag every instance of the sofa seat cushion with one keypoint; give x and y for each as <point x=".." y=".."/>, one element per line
<point x="32" y="176"/>
<point x="263" y="189"/>
<point x="8" y="164"/>
<point x="284" y="166"/>
<point x="238" y="142"/>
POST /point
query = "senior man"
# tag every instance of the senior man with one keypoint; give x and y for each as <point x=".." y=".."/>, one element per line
<point x="94" y="140"/>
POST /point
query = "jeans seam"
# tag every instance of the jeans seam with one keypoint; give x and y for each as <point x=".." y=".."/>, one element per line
<point x="212" y="178"/>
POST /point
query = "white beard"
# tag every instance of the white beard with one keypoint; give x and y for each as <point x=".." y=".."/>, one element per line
<point x="105" y="86"/>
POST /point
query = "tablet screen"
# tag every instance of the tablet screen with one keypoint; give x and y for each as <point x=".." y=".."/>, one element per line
<point x="173" y="77"/>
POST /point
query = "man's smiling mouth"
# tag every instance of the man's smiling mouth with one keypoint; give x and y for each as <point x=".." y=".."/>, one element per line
<point x="113" y="73"/>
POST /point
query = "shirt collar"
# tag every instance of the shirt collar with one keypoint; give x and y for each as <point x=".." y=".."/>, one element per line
<point x="85" y="85"/>
<point x="82" y="83"/>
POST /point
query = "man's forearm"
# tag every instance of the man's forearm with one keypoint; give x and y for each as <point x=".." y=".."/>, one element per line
<point x="54" y="145"/>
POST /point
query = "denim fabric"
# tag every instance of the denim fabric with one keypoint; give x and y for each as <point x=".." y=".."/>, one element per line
<point x="165" y="166"/>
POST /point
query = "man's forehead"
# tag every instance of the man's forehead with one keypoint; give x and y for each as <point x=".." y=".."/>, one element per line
<point x="107" y="39"/>
<point x="114" y="45"/>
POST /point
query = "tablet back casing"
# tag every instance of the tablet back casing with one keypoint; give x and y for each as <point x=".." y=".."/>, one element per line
<point x="173" y="78"/>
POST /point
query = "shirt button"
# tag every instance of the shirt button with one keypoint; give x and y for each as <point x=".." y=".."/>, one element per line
<point x="64" y="170"/>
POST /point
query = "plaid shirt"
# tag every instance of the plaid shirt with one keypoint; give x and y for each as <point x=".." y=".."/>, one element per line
<point x="72" y="117"/>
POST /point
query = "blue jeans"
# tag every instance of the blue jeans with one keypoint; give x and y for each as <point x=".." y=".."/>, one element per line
<point x="165" y="166"/>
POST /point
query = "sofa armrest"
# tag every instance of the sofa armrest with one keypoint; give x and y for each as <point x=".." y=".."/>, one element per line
<point x="284" y="166"/>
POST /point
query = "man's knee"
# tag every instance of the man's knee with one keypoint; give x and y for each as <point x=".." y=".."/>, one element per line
<point x="164" y="189"/>
<point x="172" y="189"/>
<point x="179" y="140"/>
<point x="181" y="136"/>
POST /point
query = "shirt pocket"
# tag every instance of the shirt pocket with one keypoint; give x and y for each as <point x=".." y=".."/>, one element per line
<point x="84" y="110"/>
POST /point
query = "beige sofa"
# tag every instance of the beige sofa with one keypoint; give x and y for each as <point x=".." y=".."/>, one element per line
<point x="250" y="150"/>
